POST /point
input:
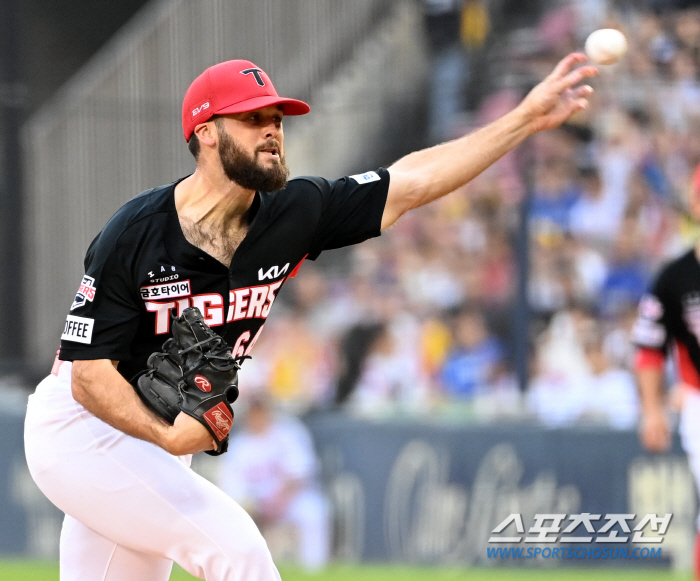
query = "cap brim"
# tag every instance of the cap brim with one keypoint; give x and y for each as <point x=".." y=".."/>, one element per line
<point x="289" y="106"/>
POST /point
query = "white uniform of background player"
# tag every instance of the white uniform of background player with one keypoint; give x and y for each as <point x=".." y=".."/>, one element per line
<point x="120" y="473"/>
<point x="668" y="325"/>
<point x="271" y="470"/>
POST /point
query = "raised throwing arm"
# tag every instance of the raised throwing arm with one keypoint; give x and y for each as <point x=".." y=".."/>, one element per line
<point x="426" y="175"/>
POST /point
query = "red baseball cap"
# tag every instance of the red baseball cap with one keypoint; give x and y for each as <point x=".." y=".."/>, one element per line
<point x="232" y="87"/>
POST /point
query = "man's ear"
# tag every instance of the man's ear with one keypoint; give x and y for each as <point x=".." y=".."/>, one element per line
<point x="207" y="133"/>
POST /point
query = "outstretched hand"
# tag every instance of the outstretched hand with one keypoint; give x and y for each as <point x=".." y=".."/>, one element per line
<point x="426" y="175"/>
<point x="558" y="97"/>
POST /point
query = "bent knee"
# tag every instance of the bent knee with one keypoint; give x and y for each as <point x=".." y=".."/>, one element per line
<point x="236" y="558"/>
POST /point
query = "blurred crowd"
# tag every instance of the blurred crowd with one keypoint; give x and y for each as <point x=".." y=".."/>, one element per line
<point x="421" y="320"/>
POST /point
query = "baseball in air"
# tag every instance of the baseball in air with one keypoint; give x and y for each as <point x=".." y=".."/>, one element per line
<point x="606" y="46"/>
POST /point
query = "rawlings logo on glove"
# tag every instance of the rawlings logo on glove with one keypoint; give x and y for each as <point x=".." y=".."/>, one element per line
<point x="196" y="374"/>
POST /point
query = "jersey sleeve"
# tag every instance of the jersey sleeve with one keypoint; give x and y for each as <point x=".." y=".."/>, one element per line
<point x="651" y="328"/>
<point x="351" y="212"/>
<point x="104" y="316"/>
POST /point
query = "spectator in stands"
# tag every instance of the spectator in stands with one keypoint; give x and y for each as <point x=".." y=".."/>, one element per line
<point x="555" y="194"/>
<point x="682" y="98"/>
<point x="550" y="273"/>
<point x="391" y="377"/>
<point x="628" y="275"/>
<point x="554" y="397"/>
<point x="474" y="360"/>
<point x="297" y="366"/>
<point x="450" y="66"/>
<point x="556" y="392"/>
<point x="453" y="28"/>
<point x="271" y="470"/>
<point x="589" y="270"/>
<point x="610" y="396"/>
<point x="595" y="232"/>
<point x="596" y="214"/>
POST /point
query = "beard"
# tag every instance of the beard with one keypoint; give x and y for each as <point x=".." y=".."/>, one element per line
<point x="246" y="171"/>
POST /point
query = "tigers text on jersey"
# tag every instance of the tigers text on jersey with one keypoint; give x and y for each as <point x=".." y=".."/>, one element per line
<point x="669" y="316"/>
<point x="141" y="270"/>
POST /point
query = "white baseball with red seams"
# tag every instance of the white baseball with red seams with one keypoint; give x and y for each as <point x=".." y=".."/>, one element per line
<point x="606" y="46"/>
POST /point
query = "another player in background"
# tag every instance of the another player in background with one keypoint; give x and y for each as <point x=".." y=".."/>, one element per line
<point x="272" y="471"/>
<point x="223" y="239"/>
<point x="668" y="325"/>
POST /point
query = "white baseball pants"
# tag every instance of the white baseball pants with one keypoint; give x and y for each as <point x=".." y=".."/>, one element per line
<point x="689" y="430"/>
<point x="132" y="508"/>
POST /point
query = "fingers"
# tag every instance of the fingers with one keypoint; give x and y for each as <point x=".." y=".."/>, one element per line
<point x="575" y="77"/>
<point x="564" y="76"/>
<point x="577" y="98"/>
<point x="582" y="92"/>
<point x="567" y="63"/>
<point x="580" y="96"/>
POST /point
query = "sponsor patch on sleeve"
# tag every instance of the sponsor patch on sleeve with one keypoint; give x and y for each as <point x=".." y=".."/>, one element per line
<point x="78" y="329"/>
<point x="86" y="292"/>
<point x="365" y="178"/>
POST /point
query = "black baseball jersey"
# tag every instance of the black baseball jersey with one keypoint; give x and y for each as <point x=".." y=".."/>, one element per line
<point x="140" y="270"/>
<point x="669" y="315"/>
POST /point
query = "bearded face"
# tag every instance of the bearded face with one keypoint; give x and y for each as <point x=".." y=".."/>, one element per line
<point x="247" y="171"/>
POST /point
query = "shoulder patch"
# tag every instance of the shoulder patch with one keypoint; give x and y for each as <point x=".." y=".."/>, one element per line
<point x="86" y="292"/>
<point x="365" y="178"/>
<point x="78" y="329"/>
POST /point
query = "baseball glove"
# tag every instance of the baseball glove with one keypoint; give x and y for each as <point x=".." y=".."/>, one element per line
<point x="196" y="374"/>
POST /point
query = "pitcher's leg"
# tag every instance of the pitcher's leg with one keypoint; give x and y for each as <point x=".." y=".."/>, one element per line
<point x="87" y="555"/>
<point x="153" y="504"/>
<point x="141" y="498"/>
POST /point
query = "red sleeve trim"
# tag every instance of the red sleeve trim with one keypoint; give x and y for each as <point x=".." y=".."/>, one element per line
<point x="296" y="268"/>
<point x="686" y="367"/>
<point x="646" y="357"/>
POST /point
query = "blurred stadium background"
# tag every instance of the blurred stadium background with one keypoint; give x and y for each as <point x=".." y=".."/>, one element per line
<point x="471" y="363"/>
